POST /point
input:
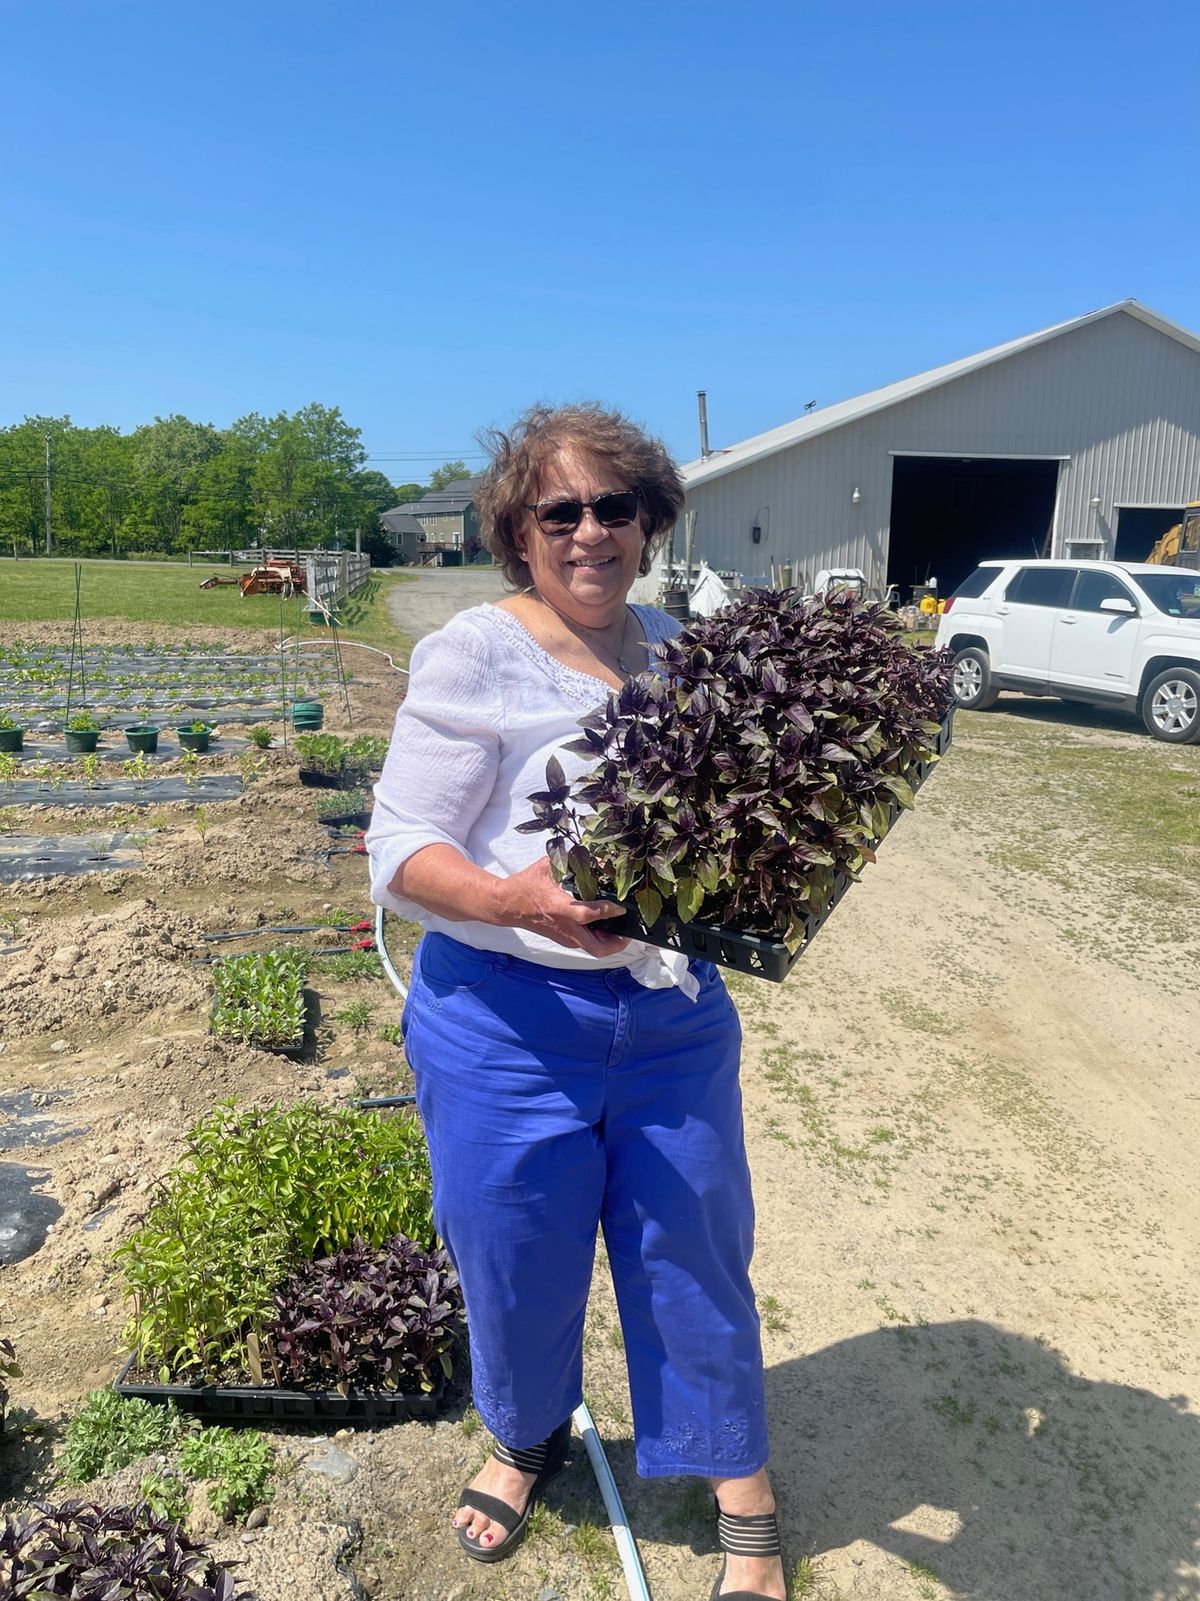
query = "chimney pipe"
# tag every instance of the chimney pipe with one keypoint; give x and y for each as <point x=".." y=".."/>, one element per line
<point x="702" y="400"/>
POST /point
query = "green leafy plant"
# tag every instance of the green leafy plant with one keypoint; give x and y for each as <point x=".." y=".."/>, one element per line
<point x="7" y="722"/>
<point x="251" y="767"/>
<point x="10" y="1368"/>
<point x="202" y="822"/>
<point x="347" y="801"/>
<point x="352" y="964"/>
<point x="256" y="1195"/>
<point x="366" y="754"/>
<point x="322" y="753"/>
<point x="357" y="1015"/>
<point x="391" y="1034"/>
<point x="136" y="768"/>
<point x="259" y="999"/>
<point x="766" y="760"/>
<point x="237" y="1464"/>
<point x="189" y="763"/>
<point x="110" y="1431"/>
<point x="166" y="1494"/>
<point x="10" y="769"/>
<point x="86" y="1552"/>
<point x="90" y="765"/>
<point x="260" y="736"/>
<point x="82" y="723"/>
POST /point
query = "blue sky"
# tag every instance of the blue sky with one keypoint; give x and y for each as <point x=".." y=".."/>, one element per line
<point x="432" y="216"/>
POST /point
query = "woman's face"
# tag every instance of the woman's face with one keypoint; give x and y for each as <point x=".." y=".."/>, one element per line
<point x="585" y="574"/>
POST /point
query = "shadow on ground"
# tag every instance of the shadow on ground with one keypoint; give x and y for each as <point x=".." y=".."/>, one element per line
<point x="977" y="1454"/>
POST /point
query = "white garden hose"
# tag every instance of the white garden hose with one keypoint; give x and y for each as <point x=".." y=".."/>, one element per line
<point x="356" y="644"/>
<point x="631" y="1563"/>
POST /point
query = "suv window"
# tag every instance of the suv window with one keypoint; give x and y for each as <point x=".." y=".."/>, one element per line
<point x="1091" y="588"/>
<point x="974" y="585"/>
<point x="1041" y="586"/>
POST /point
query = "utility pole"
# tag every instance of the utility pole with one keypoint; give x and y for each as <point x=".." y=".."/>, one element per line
<point x="47" y="494"/>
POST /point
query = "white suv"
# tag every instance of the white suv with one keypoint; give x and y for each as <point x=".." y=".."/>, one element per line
<point x="1104" y="632"/>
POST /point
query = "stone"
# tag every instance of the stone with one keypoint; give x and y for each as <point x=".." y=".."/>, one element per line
<point x="58" y="1046"/>
<point x="256" y="1518"/>
<point x="549" y="1594"/>
<point x="248" y="1536"/>
<point x="333" y="1464"/>
<point x="203" y="1521"/>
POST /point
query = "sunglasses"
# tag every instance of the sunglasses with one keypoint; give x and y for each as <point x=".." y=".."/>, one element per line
<point x="615" y="509"/>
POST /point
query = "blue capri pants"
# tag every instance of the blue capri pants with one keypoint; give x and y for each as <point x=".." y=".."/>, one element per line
<point x="556" y="1102"/>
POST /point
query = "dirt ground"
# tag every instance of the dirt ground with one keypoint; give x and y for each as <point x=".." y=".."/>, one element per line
<point x="436" y="594"/>
<point x="972" y="1114"/>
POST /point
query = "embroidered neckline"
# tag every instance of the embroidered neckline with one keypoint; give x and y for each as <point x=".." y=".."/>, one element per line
<point x="579" y="685"/>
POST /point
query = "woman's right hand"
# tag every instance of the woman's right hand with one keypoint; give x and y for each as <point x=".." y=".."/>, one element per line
<point x="531" y="899"/>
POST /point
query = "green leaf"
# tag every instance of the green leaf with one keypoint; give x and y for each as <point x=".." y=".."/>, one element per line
<point x="689" y="897"/>
<point x="901" y="789"/>
<point x="649" y="905"/>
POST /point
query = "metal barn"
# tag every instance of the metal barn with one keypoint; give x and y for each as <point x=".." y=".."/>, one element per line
<point x="1081" y="440"/>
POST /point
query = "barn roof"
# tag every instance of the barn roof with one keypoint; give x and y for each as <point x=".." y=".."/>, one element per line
<point x="828" y="418"/>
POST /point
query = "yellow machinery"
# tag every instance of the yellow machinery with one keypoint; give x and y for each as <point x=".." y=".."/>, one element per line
<point x="1180" y="546"/>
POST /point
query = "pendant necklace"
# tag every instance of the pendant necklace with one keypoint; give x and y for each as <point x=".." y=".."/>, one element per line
<point x="619" y="653"/>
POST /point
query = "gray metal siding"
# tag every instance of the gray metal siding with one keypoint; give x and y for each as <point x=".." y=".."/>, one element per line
<point x="1119" y="399"/>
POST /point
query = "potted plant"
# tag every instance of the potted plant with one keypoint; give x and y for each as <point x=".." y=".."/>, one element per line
<point x="322" y="760"/>
<point x="195" y="736"/>
<point x="259" y="999"/>
<point x="260" y="736"/>
<point x="12" y="735"/>
<point x="143" y="738"/>
<point x="734" y="800"/>
<point x="334" y="1300"/>
<point x="83" y="734"/>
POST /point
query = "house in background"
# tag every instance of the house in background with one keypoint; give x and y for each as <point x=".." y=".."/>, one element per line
<point x="448" y="519"/>
<point x="402" y="530"/>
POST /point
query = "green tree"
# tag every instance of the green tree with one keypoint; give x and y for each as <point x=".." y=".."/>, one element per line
<point x="447" y="473"/>
<point x="407" y="492"/>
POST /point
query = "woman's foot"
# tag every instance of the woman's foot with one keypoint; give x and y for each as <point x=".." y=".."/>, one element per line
<point x="493" y="1511"/>
<point x="760" y="1576"/>
<point x="506" y="1484"/>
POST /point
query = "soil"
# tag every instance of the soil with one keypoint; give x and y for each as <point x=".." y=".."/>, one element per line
<point x="972" y="1117"/>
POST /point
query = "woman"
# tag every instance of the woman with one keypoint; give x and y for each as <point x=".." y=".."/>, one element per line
<point x="569" y="1079"/>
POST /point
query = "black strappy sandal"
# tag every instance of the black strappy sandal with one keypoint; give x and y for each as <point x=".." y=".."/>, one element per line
<point x="546" y="1459"/>
<point x="755" y="1535"/>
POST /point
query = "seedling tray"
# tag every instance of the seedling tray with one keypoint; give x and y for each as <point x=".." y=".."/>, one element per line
<point x="244" y="1403"/>
<point x="295" y="1050"/>
<point x="752" y="953"/>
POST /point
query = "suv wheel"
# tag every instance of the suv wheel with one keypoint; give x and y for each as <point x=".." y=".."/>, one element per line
<point x="972" y="681"/>
<point x="1171" y="706"/>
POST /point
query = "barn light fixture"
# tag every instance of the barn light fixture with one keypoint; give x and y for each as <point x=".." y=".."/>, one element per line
<point x="1094" y="503"/>
<point x="856" y="496"/>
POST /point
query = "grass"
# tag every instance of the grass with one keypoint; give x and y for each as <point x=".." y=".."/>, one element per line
<point x="41" y="590"/>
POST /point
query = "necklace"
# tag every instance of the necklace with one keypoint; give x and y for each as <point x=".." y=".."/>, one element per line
<point x="575" y="628"/>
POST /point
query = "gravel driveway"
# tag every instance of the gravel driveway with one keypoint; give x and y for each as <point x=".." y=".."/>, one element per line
<point x="440" y="593"/>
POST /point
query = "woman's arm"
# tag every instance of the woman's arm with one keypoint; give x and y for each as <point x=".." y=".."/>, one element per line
<point x="442" y="880"/>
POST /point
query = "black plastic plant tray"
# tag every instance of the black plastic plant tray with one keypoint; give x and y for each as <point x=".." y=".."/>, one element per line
<point x="345" y="820"/>
<point x="752" y="953"/>
<point x="238" y="1403"/>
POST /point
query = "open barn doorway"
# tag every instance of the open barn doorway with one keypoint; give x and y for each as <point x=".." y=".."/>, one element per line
<point x="1139" y="528"/>
<point x="950" y="513"/>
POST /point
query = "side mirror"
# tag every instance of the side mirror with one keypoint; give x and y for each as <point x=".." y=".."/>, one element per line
<point x="1119" y="605"/>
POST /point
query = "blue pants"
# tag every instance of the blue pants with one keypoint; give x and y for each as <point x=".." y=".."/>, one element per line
<point x="555" y="1102"/>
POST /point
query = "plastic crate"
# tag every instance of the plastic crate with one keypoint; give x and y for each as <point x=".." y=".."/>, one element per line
<point x="238" y="1403"/>
<point x="752" y="953"/>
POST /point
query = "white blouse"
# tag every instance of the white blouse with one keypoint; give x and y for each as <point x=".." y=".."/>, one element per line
<point x="486" y="707"/>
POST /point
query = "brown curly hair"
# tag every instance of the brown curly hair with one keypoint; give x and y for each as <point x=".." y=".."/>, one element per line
<point x="517" y="458"/>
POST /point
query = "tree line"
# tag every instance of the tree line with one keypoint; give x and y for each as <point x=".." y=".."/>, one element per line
<point x="171" y="485"/>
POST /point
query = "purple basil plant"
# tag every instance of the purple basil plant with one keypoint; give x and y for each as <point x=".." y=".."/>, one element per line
<point x="369" y="1318"/>
<point x="767" y="758"/>
<point x="88" y="1552"/>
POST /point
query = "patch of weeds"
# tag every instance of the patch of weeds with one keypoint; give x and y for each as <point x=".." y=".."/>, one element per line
<point x="926" y="1578"/>
<point x="109" y="1432"/>
<point x="913" y="1013"/>
<point x="881" y="1134"/>
<point x="357" y="1015"/>
<point x="391" y="1034"/>
<point x="953" y="1411"/>
<point x="616" y="1339"/>
<point x="591" y="1542"/>
<point x="238" y="1462"/>
<point x="352" y="965"/>
<point x="773" y="1316"/>
<point x="470" y="1422"/>
<point x="803" y="1580"/>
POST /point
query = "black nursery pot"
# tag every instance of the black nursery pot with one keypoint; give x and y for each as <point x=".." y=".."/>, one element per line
<point x="82" y="741"/>
<point x="11" y="740"/>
